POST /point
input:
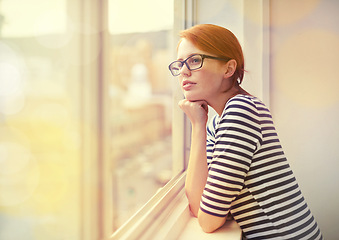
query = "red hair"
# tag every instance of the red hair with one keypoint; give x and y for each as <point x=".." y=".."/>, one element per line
<point x="218" y="41"/>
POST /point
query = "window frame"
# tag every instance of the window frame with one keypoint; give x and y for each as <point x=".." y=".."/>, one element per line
<point x="97" y="221"/>
<point x="155" y="214"/>
<point x="96" y="197"/>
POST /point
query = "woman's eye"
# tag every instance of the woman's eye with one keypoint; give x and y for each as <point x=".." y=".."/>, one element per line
<point x="195" y="60"/>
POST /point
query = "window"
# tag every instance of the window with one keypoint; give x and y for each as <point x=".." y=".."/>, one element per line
<point x="140" y="93"/>
<point x="90" y="128"/>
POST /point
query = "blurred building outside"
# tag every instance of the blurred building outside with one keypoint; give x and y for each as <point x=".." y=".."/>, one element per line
<point x="141" y="96"/>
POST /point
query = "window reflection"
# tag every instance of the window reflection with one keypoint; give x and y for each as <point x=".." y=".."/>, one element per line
<point x="141" y="100"/>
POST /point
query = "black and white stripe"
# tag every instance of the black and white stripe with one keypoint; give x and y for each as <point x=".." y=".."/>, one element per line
<point x="250" y="176"/>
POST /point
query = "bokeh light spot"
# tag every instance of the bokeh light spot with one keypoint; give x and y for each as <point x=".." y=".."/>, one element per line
<point x="10" y="79"/>
<point x="296" y="59"/>
<point x="296" y="11"/>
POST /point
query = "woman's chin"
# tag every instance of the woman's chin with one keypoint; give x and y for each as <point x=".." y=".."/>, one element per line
<point x="191" y="97"/>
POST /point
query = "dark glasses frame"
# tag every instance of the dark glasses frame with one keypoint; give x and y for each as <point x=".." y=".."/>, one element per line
<point x="176" y="72"/>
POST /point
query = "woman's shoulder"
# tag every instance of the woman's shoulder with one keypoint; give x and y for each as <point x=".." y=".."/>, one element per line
<point x="249" y="101"/>
<point x="246" y="99"/>
<point x="241" y="101"/>
<point x="247" y="106"/>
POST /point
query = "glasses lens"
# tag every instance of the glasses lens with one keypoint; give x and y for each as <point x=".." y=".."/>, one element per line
<point x="194" y="62"/>
<point x="175" y="68"/>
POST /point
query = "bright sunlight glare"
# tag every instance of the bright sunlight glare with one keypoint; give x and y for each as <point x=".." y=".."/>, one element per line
<point x="38" y="17"/>
<point x="127" y="16"/>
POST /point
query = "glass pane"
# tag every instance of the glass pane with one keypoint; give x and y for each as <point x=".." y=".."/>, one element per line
<point x="141" y="101"/>
<point x="39" y="147"/>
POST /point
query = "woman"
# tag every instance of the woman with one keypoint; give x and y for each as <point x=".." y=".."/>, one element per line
<point x="237" y="164"/>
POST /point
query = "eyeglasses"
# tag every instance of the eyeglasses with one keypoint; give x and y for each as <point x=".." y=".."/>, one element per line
<point x="193" y="62"/>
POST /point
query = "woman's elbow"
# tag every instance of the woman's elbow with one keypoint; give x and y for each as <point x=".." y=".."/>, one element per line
<point x="209" y="223"/>
<point x="208" y="229"/>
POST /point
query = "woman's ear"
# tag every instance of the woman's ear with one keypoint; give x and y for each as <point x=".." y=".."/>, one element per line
<point x="231" y="66"/>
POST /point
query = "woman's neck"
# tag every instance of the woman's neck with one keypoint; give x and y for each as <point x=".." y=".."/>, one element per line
<point x="219" y="103"/>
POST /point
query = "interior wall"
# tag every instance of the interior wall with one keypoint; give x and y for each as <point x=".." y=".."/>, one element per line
<point x="246" y="19"/>
<point x="228" y="14"/>
<point x="305" y="101"/>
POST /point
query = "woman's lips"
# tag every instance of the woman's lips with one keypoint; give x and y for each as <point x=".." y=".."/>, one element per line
<point x="187" y="85"/>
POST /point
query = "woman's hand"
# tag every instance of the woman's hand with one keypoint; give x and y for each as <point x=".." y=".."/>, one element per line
<point x="196" y="111"/>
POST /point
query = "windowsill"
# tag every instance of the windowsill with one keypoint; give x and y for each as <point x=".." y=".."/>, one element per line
<point x="181" y="225"/>
<point x="229" y="231"/>
<point x="168" y="218"/>
<point x="187" y="226"/>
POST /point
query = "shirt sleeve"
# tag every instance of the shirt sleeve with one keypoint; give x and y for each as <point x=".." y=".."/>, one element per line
<point x="210" y="139"/>
<point x="230" y="146"/>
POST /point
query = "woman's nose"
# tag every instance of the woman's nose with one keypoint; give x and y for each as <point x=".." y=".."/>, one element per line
<point x="185" y="70"/>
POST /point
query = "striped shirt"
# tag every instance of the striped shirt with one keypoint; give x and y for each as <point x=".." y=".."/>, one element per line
<point x="249" y="176"/>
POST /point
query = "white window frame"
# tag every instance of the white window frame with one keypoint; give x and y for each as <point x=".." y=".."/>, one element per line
<point x="96" y="218"/>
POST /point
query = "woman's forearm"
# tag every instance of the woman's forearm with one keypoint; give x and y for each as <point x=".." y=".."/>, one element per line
<point x="197" y="168"/>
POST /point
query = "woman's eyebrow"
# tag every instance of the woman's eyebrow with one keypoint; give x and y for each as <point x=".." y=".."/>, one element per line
<point x="190" y="55"/>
